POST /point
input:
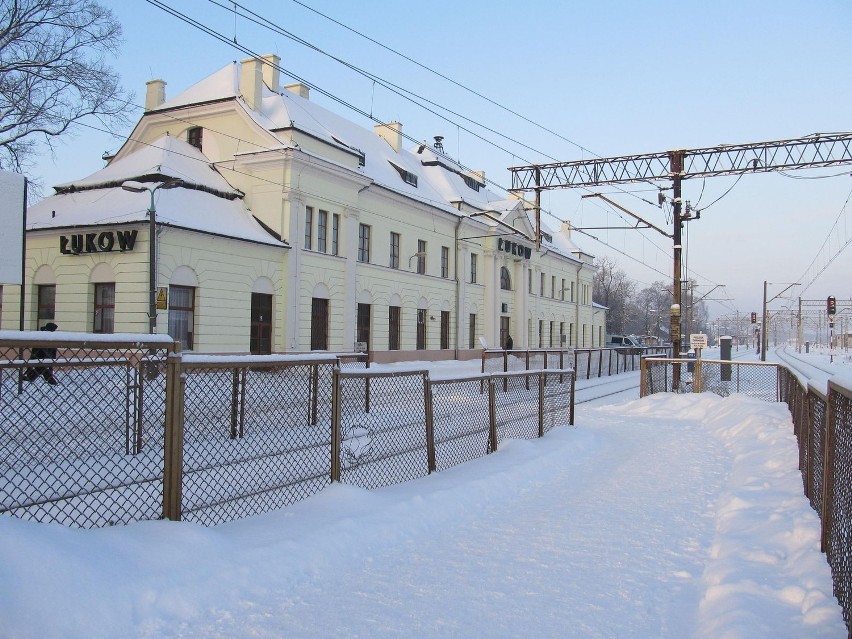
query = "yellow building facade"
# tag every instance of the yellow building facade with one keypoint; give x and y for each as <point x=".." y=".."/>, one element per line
<point x="280" y="226"/>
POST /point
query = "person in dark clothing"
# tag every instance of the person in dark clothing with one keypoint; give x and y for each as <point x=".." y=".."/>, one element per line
<point x="509" y="343"/>
<point x="34" y="372"/>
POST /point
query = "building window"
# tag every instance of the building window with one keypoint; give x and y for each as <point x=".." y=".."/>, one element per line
<point x="182" y="315"/>
<point x="394" y="250"/>
<point x="505" y="279"/>
<point x="561" y="333"/>
<point x="529" y="282"/>
<point x="362" y="325"/>
<point x="335" y="233"/>
<point x="472" y="331"/>
<point x="104" y="311"/>
<point x="445" y="261"/>
<point x="421" y="257"/>
<point x="571" y="334"/>
<point x="194" y="136"/>
<point x="322" y="231"/>
<point x="541" y="286"/>
<point x="472" y="183"/>
<point x="562" y="291"/>
<point x="46" y="303"/>
<point x="393" y="328"/>
<point x="363" y="243"/>
<point x="309" y="226"/>
<point x="319" y="324"/>
<point x="552" y="333"/>
<point x="445" y="330"/>
<point x="540" y="333"/>
<point x="572" y="291"/>
<point x="473" y="268"/>
<point x="407" y="176"/>
<point x="421" y="329"/>
<point x="553" y="286"/>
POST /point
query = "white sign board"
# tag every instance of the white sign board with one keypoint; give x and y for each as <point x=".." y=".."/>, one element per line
<point x="12" y="187"/>
<point x="697" y="340"/>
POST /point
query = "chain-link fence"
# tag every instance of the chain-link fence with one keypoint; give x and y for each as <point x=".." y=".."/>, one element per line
<point x="410" y="425"/>
<point x="722" y="377"/>
<point x="256" y="433"/>
<point x="82" y="428"/>
<point x="837" y="506"/>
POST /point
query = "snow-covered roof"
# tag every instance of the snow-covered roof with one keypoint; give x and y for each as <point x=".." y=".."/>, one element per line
<point x="204" y="201"/>
<point x="439" y="178"/>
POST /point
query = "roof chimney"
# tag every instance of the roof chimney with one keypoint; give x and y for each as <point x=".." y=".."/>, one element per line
<point x="391" y="133"/>
<point x="251" y="79"/>
<point x="299" y="89"/>
<point x="566" y="228"/>
<point x="271" y="73"/>
<point x="155" y="94"/>
<point x="481" y="176"/>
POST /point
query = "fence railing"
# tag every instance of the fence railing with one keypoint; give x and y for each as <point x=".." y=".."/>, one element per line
<point x="136" y="430"/>
<point x="822" y="422"/>
<point x="586" y="362"/>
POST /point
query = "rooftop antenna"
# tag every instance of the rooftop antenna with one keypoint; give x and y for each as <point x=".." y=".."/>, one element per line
<point x="439" y="143"/>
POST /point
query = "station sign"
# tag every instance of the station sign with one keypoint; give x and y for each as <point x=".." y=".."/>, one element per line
<point x="697" y="340"/>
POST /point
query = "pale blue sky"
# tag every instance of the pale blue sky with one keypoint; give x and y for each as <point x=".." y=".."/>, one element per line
<point x="615" y="78"/>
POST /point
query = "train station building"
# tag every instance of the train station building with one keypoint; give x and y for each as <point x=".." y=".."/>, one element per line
<point x="280" y="226"/>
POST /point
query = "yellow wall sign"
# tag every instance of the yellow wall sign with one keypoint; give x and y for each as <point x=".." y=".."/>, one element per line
<point x="162" y="298"/>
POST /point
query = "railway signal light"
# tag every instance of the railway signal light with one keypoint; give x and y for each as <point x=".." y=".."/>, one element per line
<point x="831" y="306"/>
<point x="754" y="318"/>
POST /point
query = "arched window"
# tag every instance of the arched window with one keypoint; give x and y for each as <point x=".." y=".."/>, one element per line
<point x="505" y="279"/>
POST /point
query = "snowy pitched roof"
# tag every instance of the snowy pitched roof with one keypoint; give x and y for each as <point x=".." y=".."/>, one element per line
<point x="439" y="180"/>
<point x="204" y="202"/>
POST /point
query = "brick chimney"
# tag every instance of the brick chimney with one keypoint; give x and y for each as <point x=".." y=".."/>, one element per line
<point x="251" y="81"/>
<point x="391" y="133"/>
<point x="155" y="94"/>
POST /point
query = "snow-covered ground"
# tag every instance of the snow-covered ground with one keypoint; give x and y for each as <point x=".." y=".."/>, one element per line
<point x="670" y="516"/>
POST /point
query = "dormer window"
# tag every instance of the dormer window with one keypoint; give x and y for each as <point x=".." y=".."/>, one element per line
<point x="407" y="176"/>
<point x="471" y="183"/>
<point x="194" y="136"/>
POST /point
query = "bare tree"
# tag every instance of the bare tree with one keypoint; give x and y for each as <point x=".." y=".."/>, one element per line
<point x="613" y="289"/>
<point x="52" y="73"/>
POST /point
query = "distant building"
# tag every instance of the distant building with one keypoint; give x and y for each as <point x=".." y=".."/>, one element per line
<point x="294" y="229"/>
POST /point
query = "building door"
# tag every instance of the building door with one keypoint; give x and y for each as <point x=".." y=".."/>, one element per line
<point x="319" y="324"/>
<point x="260" y="335"/>
<point x="362" y="328"/>
<point x="504" y="330"/>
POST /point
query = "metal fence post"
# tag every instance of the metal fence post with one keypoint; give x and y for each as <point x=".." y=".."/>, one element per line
<point x="235" y="397"/>
<point x="827" y="473"/>
<point x="541" y="404"/>
<point x="173" y="438"/>
<point x="571" y="407"/>
<point x="335" y="424"/>
<point x="492" y="417"/>
<point x="643" y="375"/>
<point x="430" y="424"/>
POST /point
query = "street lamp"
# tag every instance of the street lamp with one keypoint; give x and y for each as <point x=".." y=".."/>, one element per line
<point x="141" y="187"/>
<point x="418" y="255"/>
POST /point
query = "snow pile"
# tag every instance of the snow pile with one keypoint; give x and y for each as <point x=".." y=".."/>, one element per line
<point x="670" y="516"/>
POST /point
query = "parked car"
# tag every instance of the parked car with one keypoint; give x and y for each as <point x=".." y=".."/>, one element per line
<point x="624" y="341"/>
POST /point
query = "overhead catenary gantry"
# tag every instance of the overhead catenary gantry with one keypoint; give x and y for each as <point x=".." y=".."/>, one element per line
<point x="809" y="152"/>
